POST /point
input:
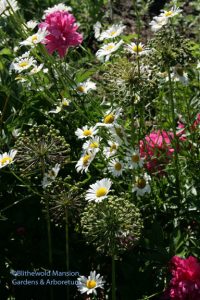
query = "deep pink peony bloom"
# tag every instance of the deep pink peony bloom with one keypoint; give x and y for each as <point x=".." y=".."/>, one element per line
<point x="157" y="149"/>
<point x="185" y="284"/>
<point x="62" y="32"/>
<point x="196" y="122"/>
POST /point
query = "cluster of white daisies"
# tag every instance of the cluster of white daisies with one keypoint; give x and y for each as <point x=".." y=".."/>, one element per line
<point x="114" y="31"/>
<point x="159" y="21"/>
<point x="110" y="153"/>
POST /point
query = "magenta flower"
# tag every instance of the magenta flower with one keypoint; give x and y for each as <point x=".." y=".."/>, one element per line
<point x="157" y="150"/>
<point x="62" y="32"/>
<point x="185" y="283"/>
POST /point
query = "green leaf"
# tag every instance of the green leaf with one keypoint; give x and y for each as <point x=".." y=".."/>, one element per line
<point x="6" y="51"/>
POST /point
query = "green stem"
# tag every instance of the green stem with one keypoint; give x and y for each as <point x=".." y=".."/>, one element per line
<point x="94" y="297"/>
<point x="110" y="9"/>
<point x="48" y="222"/>
<point x="113" y="278"/>
<point x="176" y="140"/>
<point x="2" y="114"/>
<point x="67" y="245"/>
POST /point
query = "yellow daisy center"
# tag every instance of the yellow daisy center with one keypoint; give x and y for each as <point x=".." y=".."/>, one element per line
<point x="109" y="47"/>
<point x="137" y="48"/>
<point x="109" y="119"/>
<point x="86" y="159"/>
<point x="81" y="89"/>
<point x="135" y="158"/>
<point x="65" y="103"/>
<point x="91" y="284"/>
<point x="23" y="64"/>
<point x="113" y="32"/>
<point x="5" y="160"/>
<point x="94" y="145"/>
<point x="168" y="13"/>
<point x="141" y="183"/>
<point x="87" y="132"/>
<point x="34" y="38"/>
<point x="113" y="147"/>
<point x="102" y="191"/>
<point x="118" y="166"/>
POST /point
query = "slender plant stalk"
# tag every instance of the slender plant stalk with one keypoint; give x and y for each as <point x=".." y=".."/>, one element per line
<point x="67" y="245"/>
<point x="2" y="115"/>
<point x="110" y="9"/>
<point x="173" y="116"/>
<point x="94" y="297"/>
<point x="113" y="278"/>
<point x="48" y="221"/>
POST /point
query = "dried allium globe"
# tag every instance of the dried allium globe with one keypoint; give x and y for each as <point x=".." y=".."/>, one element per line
<point x="112" y="226"/>
<point x="40" y="148"/>
<point x="64" y="198"/>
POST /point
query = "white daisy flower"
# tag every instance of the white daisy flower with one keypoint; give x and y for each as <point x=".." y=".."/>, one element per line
<point x="86" y="132"/>
<point x="110" y="118"/>
<point x="99" y="190"/>
<point x="92" y="144"/>
<point x="116" y="167"/>
<point x="85" y="161"/>
<point x="16" y="132"/>
<point x="31" y="24"/>
<point x="111" y="150"/>
<point x="50" y="176"/>
<point x="84" y="87"/>
<point x="141" y="185"/>
<point x="118" y="134"/>
<point x="179" y="75"/>
<point x="57" y="7"/>
<point x="97" y="27"/>
<point x="112" y="32"/>
<point x="63" y="104"/>
<point x="36" y="69"/>
<point x="134" y="159"/>
<point x="90" y="284"/>
<point x="7" y="7"/>
<point x="7" y="158"/>
<point x="35" y="38"/>
<point x="157" y="23"/>
<point x="22" y="63"/>
<point x="138" y="49"/>
<point x="170" y="13"/>
<point x="107" y="49"/>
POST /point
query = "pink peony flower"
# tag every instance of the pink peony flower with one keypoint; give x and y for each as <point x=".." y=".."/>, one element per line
<point x="196" y="122"/>
<point x="157" y="149"/>
<point x="185" y="284"/>
<point x="62" y="28"/>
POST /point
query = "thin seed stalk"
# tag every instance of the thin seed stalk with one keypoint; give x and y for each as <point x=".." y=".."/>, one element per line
<point x="48" y="222"/>
<point x="173" y="116"/>
<point x="113" y="278"/>
<point x="110" y="9"/>
<point x="67" y="244"/>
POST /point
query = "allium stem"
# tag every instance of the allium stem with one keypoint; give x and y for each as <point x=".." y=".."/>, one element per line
<point x="110" y="9"/>
<point x="49" y="241"/>
<point x="48" y="221"/>
<point x="173" y="116"/>
<point x="113" y="278"/>
<point x="67" y="244"/>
